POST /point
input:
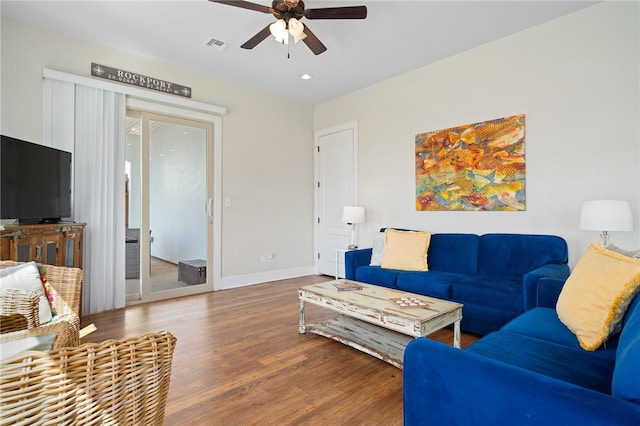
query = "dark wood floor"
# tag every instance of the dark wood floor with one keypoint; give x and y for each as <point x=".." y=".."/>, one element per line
<point x="239" y="360"/>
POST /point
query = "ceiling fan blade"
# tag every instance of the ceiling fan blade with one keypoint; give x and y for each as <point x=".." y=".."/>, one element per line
<point x="312" y="42"/>
<point x="347" y="12"/>
<point x="256" y="39"/>
<point x="245" y="5"/>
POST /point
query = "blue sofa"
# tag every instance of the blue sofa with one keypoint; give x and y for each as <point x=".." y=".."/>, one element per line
<point x="494" y="276"/>
<point x="531" y="372"/>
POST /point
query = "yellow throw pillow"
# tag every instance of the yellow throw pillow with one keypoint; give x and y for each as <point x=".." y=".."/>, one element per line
<point x="405" y="250"/>
<point x="597" y="294"/>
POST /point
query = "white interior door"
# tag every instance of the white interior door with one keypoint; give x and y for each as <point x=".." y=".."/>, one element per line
<point x="336" y="187"/>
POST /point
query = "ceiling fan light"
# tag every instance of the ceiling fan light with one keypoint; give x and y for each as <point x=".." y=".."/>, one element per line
<point x="297" y="38"/>
<point x="283" y="38"/>
<point x="278" y="28"/>
<point x="296" y="28"/>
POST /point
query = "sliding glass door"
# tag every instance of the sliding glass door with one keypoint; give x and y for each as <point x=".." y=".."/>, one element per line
<point x="169" y="165"/>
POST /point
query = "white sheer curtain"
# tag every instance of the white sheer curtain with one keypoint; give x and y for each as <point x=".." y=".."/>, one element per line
<point x="99" y="194"/>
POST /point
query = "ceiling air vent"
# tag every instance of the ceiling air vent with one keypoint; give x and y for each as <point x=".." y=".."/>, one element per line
<point x="221" y="45"/>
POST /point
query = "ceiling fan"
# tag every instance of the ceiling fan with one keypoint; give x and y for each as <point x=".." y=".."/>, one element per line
<point x="288" y="14"/>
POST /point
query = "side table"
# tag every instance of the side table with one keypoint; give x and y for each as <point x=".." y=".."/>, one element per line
<point x="340" y="256"/>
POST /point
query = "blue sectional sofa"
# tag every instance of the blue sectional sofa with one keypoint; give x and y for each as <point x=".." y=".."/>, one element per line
<point x="494" y="276"/>
<point x="531" y="372"/>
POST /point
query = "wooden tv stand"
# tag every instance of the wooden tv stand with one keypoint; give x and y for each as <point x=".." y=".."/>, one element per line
<point x="58" y="244"/>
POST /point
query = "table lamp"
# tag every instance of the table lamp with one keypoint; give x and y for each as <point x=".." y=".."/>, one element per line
<point x="352" y="215"/>
<point x="606" y="216"/>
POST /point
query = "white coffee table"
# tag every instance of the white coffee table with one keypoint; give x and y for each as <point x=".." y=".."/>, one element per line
<point x="372" y="322"/>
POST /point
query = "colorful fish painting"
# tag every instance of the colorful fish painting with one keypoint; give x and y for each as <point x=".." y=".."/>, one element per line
<point x="479" y="166"/>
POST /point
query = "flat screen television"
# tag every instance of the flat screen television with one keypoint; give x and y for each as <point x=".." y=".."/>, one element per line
<point x="35" y="184"/>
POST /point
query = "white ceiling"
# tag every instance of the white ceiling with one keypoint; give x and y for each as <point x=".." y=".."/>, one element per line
<point x="396" y="37"/>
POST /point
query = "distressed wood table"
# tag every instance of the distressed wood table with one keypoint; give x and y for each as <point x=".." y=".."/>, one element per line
<point x="371" y="321"/>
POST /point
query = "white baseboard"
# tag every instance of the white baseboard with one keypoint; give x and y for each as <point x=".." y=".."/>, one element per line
<point x="236" y="281"/>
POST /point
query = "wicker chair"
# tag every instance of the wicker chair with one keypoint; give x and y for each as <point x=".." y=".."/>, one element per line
<point x="18" y="310"/>
<point x="20" y="317"/>
<point x="116" y="382"/>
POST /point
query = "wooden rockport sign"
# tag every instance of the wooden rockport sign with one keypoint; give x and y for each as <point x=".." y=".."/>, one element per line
<point x="139" y="80"/>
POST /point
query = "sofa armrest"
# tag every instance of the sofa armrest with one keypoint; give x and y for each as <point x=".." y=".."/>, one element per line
<point x="448" y="386"/>
<point x="548" y="291"/>
<point x="531" y="280"/>
<point x="353" y="259"/>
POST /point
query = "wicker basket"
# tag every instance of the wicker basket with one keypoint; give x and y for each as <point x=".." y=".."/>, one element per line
<point x="19" y="309"/>
<point x="116" y="382"/>
<point x="65" y="285"/>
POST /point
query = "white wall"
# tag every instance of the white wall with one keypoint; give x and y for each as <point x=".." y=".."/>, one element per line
<point x="575" y="78"/>
<point x="577" y="81"/>
<point x="267" y="172"/>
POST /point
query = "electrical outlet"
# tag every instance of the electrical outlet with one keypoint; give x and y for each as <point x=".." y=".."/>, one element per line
<point x="270" y="257"/>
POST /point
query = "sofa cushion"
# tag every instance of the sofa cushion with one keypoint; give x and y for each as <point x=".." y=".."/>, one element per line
<point x="432" y="283"/>
<point x="377" y="275"/>
<point x="626" y="376"/>
<point x="572" y="365"/>
<point x="456" y="253"/>
<point x="543" y="323"/>
<point x="499" y="292"/>
<point x="596" y="295"/>
<point x="12" y="348"/>
<point x="405" y="250"/>
<point x="513" y="255"/>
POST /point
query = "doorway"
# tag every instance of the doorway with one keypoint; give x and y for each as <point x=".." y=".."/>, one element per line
<point x="169" y="206"/>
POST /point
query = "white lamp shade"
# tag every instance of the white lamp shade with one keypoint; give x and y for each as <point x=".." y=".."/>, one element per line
<point x="296" y="29"/>
<point x="353" y="214"/>
<point x="297" y="38"/>
<point x="606" y="215"/>
<point x="279" y="31"/>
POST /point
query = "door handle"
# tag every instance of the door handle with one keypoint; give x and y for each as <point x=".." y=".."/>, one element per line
<point x="210" y="207"/>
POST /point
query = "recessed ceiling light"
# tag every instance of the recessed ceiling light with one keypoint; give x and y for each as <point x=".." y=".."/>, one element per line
<point x="306" y="76"/>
